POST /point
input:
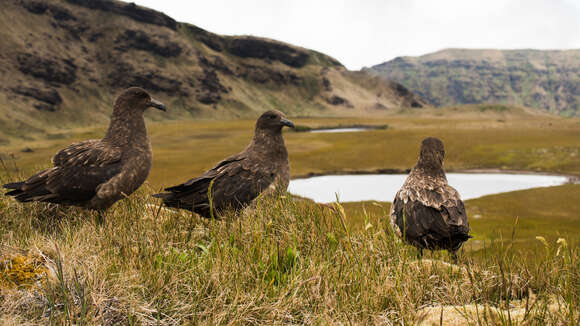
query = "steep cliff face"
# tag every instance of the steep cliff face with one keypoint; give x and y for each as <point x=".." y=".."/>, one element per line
<point x="546" y="80"/>
<point x="63" y="61"/>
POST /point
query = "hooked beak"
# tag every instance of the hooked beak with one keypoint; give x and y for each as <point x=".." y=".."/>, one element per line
<point x="158" y="105"/>
<point x="286" y="122"/>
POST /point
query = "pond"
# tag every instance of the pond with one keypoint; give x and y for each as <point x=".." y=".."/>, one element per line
<point x="336" y="130"/>
<point x="383" y="187"/>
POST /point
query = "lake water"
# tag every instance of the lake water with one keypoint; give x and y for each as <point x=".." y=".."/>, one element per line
<point x="338" y="130"/>
<point x="383" y="187"/>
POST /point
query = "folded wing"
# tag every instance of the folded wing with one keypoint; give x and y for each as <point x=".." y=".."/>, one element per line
<point x="235" y="182"/>
<point x="77" y="173"/>
<point x="430" y="215"/>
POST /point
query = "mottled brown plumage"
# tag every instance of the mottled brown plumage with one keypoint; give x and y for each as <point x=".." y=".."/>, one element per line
<point x="427" y="212"/>
<point x="94" y="174"/>
<point x="239" y="179"/>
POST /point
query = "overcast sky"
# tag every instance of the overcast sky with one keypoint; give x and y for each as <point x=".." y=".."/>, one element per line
<point x="368" y="32"/>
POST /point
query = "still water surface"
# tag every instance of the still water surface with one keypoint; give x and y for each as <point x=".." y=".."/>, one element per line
<point x="383" y="187"/>
<point x="333" y="130"/>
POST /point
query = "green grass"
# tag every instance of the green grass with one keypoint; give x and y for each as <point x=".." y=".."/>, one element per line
<point x="549" y="212"/>
<point x="494" y="107"/>
<point x="285" y="262"/>
<point x="291" y="261"/>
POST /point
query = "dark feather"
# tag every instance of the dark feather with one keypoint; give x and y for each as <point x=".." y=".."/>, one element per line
<point x="14" y="185"/>
<point x="95" y="173"/>
<point x="88" y="153"/>
<point x="238" y="179"/>
<point x="427" y="212"/>
<point x="429" y="228"/>
<point x="79" y="170"/>
<point x="233" y="187"/>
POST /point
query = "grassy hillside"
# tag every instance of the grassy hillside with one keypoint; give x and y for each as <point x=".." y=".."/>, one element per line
<point x="546" y="80"/>
<point x="63" y="62"/>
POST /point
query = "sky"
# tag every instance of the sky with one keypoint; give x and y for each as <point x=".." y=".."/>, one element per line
<point x="363" y="33"/>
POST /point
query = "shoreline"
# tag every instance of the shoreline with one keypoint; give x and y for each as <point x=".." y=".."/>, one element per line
<point x="572" y="179"/>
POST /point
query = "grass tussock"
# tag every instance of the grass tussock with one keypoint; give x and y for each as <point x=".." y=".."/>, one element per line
<point x="285" y="261"/>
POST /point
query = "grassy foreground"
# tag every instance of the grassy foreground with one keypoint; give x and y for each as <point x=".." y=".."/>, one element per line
<point x="286" y="261"/>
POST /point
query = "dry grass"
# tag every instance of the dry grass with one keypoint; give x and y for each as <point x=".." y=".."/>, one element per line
<point x="294" y="262"/>
<point x="285" y="262"/>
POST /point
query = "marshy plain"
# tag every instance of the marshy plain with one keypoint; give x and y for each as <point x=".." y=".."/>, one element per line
<point x="294" y="261"/>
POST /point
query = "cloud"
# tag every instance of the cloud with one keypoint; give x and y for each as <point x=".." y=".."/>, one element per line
<point x="367" y="32"/>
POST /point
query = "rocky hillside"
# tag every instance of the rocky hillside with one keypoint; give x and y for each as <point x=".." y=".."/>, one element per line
<point x="547" y="80"/>
<point x="63" y="61"/>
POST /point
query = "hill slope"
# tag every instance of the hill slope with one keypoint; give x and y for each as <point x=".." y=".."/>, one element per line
<point x="62" y="63"/>
<point x="547" y="80"/>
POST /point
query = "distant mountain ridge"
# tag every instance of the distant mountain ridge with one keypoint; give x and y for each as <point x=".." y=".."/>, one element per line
<point x="543" y="79"/>
<point x="63" y="62"/>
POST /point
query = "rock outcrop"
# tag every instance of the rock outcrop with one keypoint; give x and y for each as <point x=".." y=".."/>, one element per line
<point x="546" y="80"/>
